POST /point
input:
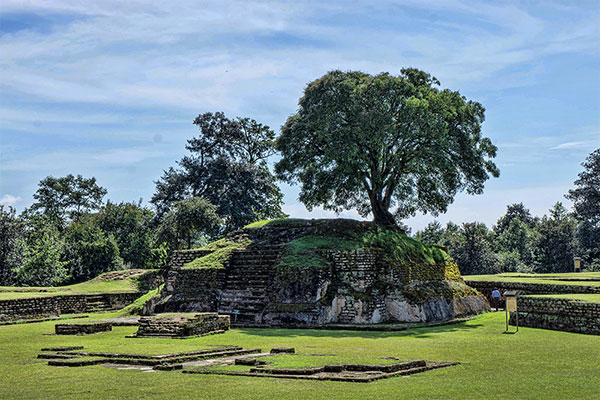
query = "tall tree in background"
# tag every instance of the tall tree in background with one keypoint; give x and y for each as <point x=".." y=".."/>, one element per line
<point x="42" y="264"/>
<point x="227" y="166"/>
<point x="131" y="226"/>
<point x="190" y="221"/>
<point x="556" y="241"/>
<point x="515" y="210"/>
<point x="386" y="145"/>
<point x="89" y="251"/>
<point x="11" y="234"/>
<point x="473" y="252"/>
<point x="586" y="202"/>
<point x="67" y="198"/>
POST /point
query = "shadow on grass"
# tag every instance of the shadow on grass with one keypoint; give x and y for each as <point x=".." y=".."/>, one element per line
<point x="420" y="332"/>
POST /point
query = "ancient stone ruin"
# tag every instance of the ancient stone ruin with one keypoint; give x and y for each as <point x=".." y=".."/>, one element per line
<point x="182" y="325"/>
<point x="82" y="329"/>
<point x="314" y="272"/>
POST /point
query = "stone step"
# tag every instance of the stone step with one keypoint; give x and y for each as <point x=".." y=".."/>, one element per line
<point x="237" y="294"/>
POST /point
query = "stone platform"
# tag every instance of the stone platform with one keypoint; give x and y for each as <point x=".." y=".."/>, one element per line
<point x="182" y="325"/>
<point x="82" y="329"/>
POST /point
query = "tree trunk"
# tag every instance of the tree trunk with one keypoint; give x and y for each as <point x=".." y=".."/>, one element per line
<point x="382" y="216"/>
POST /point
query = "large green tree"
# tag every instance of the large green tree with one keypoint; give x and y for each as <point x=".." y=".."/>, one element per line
<point x="89" y="251"/>
<point x="11" y="244"/>
<point x="515" y="210"/>
<point x="131" y="226"/>
<point x="555" y="244"/>
<point x="226" y="166"/>
<point x="386" y="145"/>
<point x="190" y="221"/>
<point x="586" y="202"/>
<point x="473" y="251"/>
<point x="67" y="198"/>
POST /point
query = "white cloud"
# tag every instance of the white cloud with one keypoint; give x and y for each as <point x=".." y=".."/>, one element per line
<point x="571" y="145"/>
<point x="9" y="200"/>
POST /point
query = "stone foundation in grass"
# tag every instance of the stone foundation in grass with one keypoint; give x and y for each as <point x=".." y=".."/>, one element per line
<point x="82" y="329"/>
<point x="182" y="325"/>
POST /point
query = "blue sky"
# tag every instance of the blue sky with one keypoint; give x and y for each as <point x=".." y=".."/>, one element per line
<point x="110" y="88"/>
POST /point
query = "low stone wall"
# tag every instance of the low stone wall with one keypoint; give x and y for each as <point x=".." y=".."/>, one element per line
<point x="558" y="314"/>
<point x="181" y="257"/>
<point x="486" y="288"/>
<point x="82" y="329"/>
<point x="36" y="307"/>
<point x="179" y="325"/>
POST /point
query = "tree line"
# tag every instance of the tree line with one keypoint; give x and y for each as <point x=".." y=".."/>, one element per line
<point x="384" y="145"/>
<point x="520" y="242"/>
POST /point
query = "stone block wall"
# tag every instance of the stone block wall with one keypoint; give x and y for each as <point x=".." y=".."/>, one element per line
<point x="82" y="329"/>
<point x="558" y="314"/>
<point x="181" y="325"/>
<point x="36" y="307"/>
<point x="179" y="258"/>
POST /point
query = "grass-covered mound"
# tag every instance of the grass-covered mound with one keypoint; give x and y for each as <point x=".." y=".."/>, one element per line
<point x="220" y="251"/>
<point x="131" y="280"/>
<point x="309" y="238"/>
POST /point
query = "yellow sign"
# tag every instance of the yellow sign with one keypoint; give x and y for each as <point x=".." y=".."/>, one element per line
<point x="511" y="304"/>
<point x="577" y="263"/>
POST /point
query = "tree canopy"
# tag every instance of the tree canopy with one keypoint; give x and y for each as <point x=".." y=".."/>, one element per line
<point x="586" y="195"/>
<point x="227" y="167"/>
<point x="386" y="145"/>
<point x="67" y="197"/>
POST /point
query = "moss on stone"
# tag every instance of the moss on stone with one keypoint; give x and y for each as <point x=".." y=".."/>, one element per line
<point x="221" y="251"/>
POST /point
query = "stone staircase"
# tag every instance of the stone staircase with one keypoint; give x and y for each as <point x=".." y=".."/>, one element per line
<point x="98" y="304"/>
<point x="248" y="278"/>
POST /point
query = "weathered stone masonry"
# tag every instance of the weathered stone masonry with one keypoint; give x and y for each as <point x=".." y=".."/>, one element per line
<point x="558" y="314"/>
<point x="65" y="304"/>
<point x="356" y="288"/>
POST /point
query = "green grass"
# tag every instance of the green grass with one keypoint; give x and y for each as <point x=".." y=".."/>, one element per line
<point x="300" y="253"/>
<point x="137" y="306"/>
<point x="590" y="298"/>
<point x="531" y="364"/>
<point x="96" y="285"/>
<point x="273" y="222"/>
<point x="540" y="278"/>
<point x="221" y="250"/>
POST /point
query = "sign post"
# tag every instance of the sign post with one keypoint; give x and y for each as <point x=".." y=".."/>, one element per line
<point x="576" y="264"/>
<point x="511" y="305"/>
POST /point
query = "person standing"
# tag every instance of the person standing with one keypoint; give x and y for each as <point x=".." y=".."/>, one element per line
<point x="496" y="298"/>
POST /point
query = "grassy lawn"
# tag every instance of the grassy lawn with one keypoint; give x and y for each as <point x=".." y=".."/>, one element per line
<point x="529" y="365"/>
<point x="96" y="285"/>
<point x="590" y="298"/>
<point x="558" y="279"/>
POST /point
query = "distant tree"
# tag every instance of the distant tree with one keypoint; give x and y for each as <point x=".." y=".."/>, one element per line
<point x="586" y="195"/>
<point x="131" y="226"/>
<point x="586" y="202"/>
<point x="11" y="243"/>
<point x="515" y="210"/>
<point x="385" y="145"/>
<point x="520" y="238"/>
<point x="432" y="234"/>
<point x="228" y="168"/>
<point x="556" y="241"/>
<point x="89" y="251"/>
<point x="190" y="221"/>
<point x="510" y="261"/>
<point x="42" y="265"/>
<point x="67" y="198"/>
<point x="473" y="253"/>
